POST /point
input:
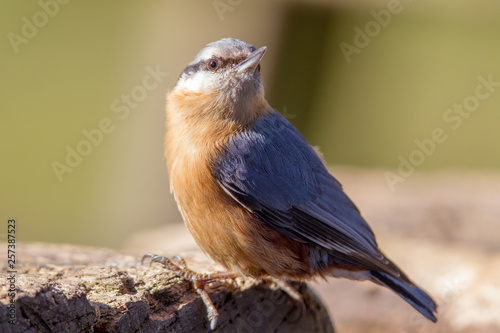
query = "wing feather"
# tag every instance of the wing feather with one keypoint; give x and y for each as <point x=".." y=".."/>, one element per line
<point x="273" y="172"/>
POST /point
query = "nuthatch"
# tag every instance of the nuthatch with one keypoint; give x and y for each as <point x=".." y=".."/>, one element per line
<point x="254" y="194"/>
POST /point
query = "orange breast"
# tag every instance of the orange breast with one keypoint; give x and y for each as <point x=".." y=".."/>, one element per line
<point x="223" y="229"/>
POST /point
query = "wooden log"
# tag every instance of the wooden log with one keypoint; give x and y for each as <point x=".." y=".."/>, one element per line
<point x="64" y="288"/>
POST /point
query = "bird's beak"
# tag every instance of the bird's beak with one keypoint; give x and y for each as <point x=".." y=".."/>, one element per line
<point x="252" y="61"/>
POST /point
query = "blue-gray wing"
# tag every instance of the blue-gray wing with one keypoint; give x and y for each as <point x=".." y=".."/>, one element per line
<point x="273" y="172"/>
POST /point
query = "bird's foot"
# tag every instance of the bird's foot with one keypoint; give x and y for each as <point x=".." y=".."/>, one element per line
<point x="287" y="288"/>
<point x="198" y="280"/>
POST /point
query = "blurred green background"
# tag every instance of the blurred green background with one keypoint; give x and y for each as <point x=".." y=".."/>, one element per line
<point x="67" y="66"/>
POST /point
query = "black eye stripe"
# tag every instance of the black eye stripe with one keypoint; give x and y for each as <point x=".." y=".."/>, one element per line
<point x="190" y="69"/>
<point x="231" y="61"/>
<point x="202" y="65"/>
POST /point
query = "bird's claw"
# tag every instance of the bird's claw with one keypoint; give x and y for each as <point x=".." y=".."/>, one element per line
<point x="181" y="261"/>
<point x="146" y="256"/>
<point x="198" y="281"/>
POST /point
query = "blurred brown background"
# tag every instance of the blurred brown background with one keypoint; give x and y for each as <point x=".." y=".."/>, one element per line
<point x="403" y="94"/>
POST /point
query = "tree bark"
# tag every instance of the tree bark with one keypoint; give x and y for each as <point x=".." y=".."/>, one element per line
<point x="63" y="288"/>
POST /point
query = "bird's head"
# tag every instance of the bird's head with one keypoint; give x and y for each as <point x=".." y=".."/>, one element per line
<point x="228" y="71"/>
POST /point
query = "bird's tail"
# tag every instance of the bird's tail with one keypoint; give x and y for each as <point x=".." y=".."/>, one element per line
<point x="415" y="296"/>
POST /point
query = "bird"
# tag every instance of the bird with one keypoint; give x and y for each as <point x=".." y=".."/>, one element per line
<point x="254" y="194"/>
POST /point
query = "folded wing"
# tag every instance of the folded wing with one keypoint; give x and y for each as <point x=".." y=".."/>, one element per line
<point x="273" y="172"/>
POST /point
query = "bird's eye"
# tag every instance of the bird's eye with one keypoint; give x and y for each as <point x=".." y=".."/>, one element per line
<point x="213" y="64"/>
